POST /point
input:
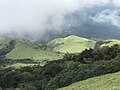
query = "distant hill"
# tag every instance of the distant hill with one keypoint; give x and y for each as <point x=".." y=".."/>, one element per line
<point x="106" y="82"/>
<point x="110" y="42"/>
<point x="25" y="48"/>
<point x="71" y="44"/>
<point x="4" y="42"/>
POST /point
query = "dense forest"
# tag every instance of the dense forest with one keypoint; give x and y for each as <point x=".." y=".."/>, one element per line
<point x="60" y="73"/>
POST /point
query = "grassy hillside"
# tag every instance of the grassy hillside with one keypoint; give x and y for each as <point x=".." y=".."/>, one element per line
<point x="71" y="44"/>
<point x="25" y="48"/>
<point x="19" y="65"/>
<point x="106" y="82"/>
<point x="4" y="42"/>
<point x="110" y="42"/>
<point x="76" y="69"/>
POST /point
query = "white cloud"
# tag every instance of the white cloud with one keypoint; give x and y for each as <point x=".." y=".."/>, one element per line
<point x="110" y="17"/>
<point x="91" y="3"/>
<point x="116" y="2"/>
<point x="31" y="16"/>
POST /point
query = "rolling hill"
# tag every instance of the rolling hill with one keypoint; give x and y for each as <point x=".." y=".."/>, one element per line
<point x="4" y="42"/>
<point x="25" y="48"/>
<point x="106" y="82"/>
<point x="71" y="44"/>
<point x="110" y="42"/>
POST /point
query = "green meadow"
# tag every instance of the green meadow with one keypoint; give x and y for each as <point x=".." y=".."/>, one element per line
<point x="25" y="49"/>
<point x="71" y="44"/>
<point x="105" y="82"/>
<point x="110" y="42"/>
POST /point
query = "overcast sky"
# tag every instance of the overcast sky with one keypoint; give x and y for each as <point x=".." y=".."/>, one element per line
<point x="32" y="16"/>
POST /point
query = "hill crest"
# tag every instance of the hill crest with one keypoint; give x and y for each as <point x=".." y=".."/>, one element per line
<point x="71" y="44"/>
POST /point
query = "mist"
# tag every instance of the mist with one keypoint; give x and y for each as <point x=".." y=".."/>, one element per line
<point x="31" y="16"/>
<point x="35" y="17"/>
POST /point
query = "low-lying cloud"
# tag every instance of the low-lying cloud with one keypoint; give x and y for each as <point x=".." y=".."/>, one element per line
<point x="32" y="15"/>
<point x="110" y="17"/>
<point x="36" y="16"/>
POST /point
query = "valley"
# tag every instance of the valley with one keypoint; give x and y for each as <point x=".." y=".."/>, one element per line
<point x="32" y="65"/>
<point x="53" y="50"/>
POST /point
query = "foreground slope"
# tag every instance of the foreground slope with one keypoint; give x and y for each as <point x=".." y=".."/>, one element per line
<point x="25" y="48"/>
<point x="71" y="44"/>
<point x="106" y="82"/>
